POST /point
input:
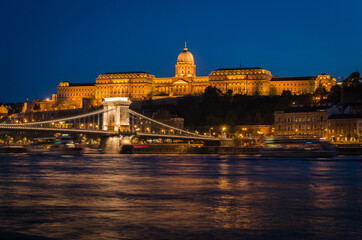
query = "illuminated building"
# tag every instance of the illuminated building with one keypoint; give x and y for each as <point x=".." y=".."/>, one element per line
<point x="143" y="85"/>
<point x="301" y="121"/>
<point x="3" y="111"/>
<point x="310" y="120"/>
<point x="74" y="93"/>
<point x="254" y="130"/>
<point x="248" y="81"/>
<point x="345" y="128"/>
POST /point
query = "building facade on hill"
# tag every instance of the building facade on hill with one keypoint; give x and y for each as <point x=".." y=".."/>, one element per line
<point x="301" y="121"/>
<point x="337" y="123"/>
<point x="143" y="85"/>
<point x="345" y="128"/>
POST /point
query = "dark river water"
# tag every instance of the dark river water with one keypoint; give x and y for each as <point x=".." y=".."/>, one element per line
<point x="179" y="197"/>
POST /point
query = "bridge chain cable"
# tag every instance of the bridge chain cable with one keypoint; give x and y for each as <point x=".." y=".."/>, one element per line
<point x="165" y="125"/>
<point x="61" y="119"/>
<point x="65" y="130"/>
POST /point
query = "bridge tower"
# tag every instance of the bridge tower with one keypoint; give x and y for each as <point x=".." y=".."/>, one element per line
<point x="117" y="116"/>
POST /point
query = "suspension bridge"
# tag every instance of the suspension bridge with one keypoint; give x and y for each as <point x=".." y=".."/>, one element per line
<point x="114" y="119"/>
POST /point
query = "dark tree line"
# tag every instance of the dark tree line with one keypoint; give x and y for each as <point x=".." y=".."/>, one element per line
<point x="350" y="92"/>
<point x="215" y="108"/>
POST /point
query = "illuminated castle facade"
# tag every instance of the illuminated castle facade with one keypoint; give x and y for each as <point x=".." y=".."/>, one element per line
<point x="143" y="85"/>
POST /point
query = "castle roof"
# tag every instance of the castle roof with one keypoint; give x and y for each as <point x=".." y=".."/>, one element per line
<point x="81" y="84"/>
<point x="135" y="72"/>
<point x="230" y="69"/>
<point x="292" y="78"/>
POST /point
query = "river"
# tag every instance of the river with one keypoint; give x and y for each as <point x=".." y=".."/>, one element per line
<point x="179" y="197"/>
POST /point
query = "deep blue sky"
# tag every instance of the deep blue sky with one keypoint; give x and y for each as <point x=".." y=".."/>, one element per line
<point x="45" y="42"/>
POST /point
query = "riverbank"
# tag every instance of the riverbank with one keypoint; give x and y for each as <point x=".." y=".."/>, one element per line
<point x="250" y="150"/>
<point x="189" y="149"/>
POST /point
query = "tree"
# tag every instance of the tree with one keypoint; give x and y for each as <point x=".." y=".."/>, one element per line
<point x="272" y="90"/>
<point x="229" y="93"/>
<point x="320" y="92"/>
<point x="212" y="92"/>
<point x="245" y="119"/>
<point x="349" y="136"/>
<point x="352" y="80"/>
<point x="335" y="94"/>
<point x="36" y="107"/>
<point x="150" y="95"/>
<point x="212" y="120"/>
<point x="357" y="136"/>
<point x="311" y="85"/>
<point x="258" y="119"/>
<point x="286" y="93"/>
<point x="231" y="118"/>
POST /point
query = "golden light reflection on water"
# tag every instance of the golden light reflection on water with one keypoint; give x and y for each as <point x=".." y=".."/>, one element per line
<point x="156" y="196"/>
<point x="327" y="191"/>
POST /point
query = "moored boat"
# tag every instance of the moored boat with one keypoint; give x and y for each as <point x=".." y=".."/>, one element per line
<point x="62" y="145"/>
<point x="294" y="147"/>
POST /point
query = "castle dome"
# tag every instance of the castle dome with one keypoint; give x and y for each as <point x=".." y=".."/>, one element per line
<point x="185" y="57"/>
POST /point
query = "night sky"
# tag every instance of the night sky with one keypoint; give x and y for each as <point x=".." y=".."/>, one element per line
<point x="45" y="42"/>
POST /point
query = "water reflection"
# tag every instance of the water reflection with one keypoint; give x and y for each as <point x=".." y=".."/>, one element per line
<point x="179" y="197"/>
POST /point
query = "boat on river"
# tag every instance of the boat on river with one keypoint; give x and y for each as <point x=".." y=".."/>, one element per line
<point x="62" y="145"/>
<point x="298" y="147"/>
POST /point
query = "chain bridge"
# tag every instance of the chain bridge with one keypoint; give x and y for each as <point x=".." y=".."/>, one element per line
<point x="114" y="119"/>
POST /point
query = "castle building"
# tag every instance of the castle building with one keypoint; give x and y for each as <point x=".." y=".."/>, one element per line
<point x="302" y="85"/>
<point x="143" y="85"/>
<point x="249" y="81"/>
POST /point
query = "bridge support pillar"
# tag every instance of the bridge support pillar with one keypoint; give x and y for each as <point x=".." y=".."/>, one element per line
<point x="117" y="116"/>
<point x="111" y="145"/>
<point x="116" y="144"/>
